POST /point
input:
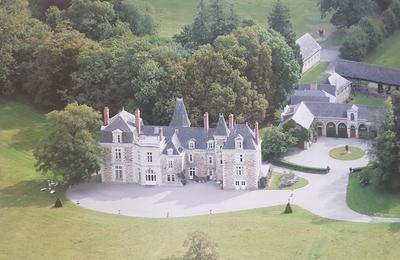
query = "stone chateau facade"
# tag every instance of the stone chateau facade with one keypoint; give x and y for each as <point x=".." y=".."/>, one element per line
<point x="162" y="155"/>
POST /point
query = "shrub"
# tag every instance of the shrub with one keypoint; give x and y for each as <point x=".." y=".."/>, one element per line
<point x="288" y="209"/>
<point x="262" y="183"/>
<point x="292" y="166"/>
<point x="356" y="44"/>
<point x="58" y="203"/>
<point x="374" y="29"/>
<point x="389" y="20"/>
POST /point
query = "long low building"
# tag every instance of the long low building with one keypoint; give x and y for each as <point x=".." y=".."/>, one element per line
<point x="333" y="119"/>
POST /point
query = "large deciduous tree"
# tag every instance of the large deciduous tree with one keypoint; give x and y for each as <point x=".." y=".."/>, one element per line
<point x="71" y="149"/>
<point x="276" y="142"/>
<point x="346" y="12"/>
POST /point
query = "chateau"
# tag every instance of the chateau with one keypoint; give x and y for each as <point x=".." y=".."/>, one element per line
<point x="165" y="155"/>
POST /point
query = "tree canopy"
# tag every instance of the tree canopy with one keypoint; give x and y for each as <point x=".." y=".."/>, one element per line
<point x="71" y="149"/>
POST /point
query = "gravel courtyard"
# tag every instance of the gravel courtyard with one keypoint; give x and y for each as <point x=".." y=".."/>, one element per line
<point x="325" y="195"/>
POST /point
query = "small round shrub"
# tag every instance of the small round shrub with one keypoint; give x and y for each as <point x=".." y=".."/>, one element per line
<point x="58" y="203"/>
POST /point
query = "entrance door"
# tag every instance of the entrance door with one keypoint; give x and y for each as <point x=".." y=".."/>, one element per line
<point x="151" y="178"/>
<point x="243" y="185"/>
<point x="353" y="132"/>
<point x="319" y="130"/>
<point x="237" y="185"/>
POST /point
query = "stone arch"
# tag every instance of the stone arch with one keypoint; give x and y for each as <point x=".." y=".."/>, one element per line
<point x="330" y="129"/>
<point x="320" y="128"/>
<point x="362" y="131"/>
<point x="353" y="131"/>
<point x="342" y="130"/>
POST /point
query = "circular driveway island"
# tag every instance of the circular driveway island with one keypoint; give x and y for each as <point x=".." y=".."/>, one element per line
<point x="325" y="195"/>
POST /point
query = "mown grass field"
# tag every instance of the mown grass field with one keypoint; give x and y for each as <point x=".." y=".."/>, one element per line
<point x="341" y="154"/>
<point x="387" y="54"/>
<point x="31" y="229"/>
<point x="368" y="101"/>
<point x="316" y="74"/>
<point x="172" y="15"/>
<point x="372" y="201"/>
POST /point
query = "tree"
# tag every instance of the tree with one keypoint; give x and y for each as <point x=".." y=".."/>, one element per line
<point x="390" y="21"/>
<point x="387" y="151"/>
<point x="355" y="45"/>
<point x="211" y="20"/>
<point x="138" y="14"/>
<point x="200" y="247"/>
<point x="279" y="20"/>
<point x="276" y="142"/>
<point x="71" y="150"/>
<point x="94" y="18"/>
<point x="54" y="61"/>
<point x="374" y="29"/>
<point x="346" y="12"/>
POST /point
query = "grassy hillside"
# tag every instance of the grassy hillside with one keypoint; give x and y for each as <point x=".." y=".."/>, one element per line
<point x="387" y="54"/>
<point x="173" y="14"/>
<point x="31" y="229"/>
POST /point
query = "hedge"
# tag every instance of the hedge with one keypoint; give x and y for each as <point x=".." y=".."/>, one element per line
<point x="296" y="167"/>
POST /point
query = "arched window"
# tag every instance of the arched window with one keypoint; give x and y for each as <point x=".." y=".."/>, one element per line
<point x="352" y="117"/>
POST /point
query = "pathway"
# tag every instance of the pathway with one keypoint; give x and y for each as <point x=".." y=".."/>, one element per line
<point x="325" y="195"/>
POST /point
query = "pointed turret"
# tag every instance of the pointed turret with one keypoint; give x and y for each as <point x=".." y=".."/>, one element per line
<point x="180" y="117"/>
<point x="222" y="128"/>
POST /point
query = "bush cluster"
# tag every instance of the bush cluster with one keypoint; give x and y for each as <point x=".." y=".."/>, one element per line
<point x="296" y="167"/>
<point x="369" y="32"/>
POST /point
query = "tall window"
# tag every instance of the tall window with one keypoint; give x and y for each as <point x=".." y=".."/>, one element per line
<point x="352" y="117"/>
<point x="170" y="164"/>
<point x="118" y="172"/>
<point x="192" y="144"/>
<point x="210" y="160"/>
<point x="118" y="154"/>
<point x="210" y="145"/>
<point x="210" y="172"/>
<point x="239" y="144"/>
<point x="192" y="172"/>
<point x="239" y="170"/>
<point x="149" y="157"/>
<point x="171" y="178"/>
<point x="117" y="136"/>
<point x="190" y="157"/>
<point x="150" y="175"/>
<point x="241" y="158"/>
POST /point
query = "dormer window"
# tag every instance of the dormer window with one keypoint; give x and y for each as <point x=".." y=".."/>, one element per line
<point x="117" y="136"/>
<point x="239" y="142"/>
<point x="352" y="116"/>
<point x="210" y="145"/>
<point x="192" y="144"/>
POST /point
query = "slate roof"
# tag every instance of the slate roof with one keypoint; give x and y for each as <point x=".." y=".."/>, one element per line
<point x="308" y="46"/>
<point x="368" y="72"/>
<point x="300" y="114"/>
<point x="297" y="99"/>
<point x="180" y="117"/>
<point x="178" y="135"/>
<point x="222" y="128"/>
<point x="338" y="81"/>
<point x="328" y="88"/>
<point x="340" y="110"/>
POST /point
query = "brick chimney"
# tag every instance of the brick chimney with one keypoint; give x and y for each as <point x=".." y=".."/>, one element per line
<point x="231" y="121"/>
<point x="161" y="134"/>
<point x="137" y="121"/>
<point x="257" y="132"/>
<point x="206" y="122"/>
<point x="106" y="116"/>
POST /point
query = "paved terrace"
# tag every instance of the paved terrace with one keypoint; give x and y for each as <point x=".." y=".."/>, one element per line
<point x="325" y="195"/>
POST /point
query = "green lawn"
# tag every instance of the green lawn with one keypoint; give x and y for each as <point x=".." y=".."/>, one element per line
<point x="173" y="14"/>
<point x="387" y="54"/>
<point x="31" y="229"/>
<point x="372" y="201"/>
<point x="316" y="74"/>
<point x="341" y="154"/>
<point x="368" y="101"/>
<point x="274" y="183"/>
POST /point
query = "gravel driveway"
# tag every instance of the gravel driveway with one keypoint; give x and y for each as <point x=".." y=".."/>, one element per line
<point x="325" y="195"/>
